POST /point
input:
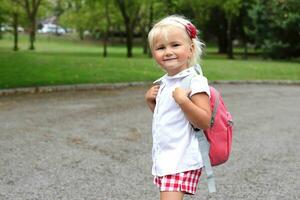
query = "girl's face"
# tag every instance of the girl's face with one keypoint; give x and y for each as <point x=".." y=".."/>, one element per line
<point x="172" y="50"/>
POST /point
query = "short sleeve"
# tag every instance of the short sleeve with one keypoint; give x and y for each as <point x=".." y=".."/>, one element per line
<point x="199" y="84"/>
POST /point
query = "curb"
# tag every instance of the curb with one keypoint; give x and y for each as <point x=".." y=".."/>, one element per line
<point x="112" y="86"/>
<point x="75" y="87"/>
<point x="258" y="82"/>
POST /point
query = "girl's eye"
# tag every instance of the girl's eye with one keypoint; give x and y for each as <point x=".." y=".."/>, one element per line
<point x="176" y="45"/>
<point x="160" y="48"/>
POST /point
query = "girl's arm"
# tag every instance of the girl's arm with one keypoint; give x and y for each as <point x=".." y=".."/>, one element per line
<point x="197" y="109"/>
<point x="150" y="97"/>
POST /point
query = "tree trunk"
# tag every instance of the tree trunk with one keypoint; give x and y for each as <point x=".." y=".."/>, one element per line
<point x="145" y="40"/>
<point x="229" y="39"/>
<point x="31" y="8"/>
<point x="81" y="34"/>
<point x="222" y="43"/>
<point x="245" y="56"/>
<point x="150" y="24"/>
<point x="106" y="36"/>
<point x="15" y="25"/>
<point x="105" y="45"/>
<point x="145" y="43"/>
<point x="1" y="36"/>
<point x="144" y="31"/>
<point x="129" y="25"/>
<point x="32" y="34"/>
<point x="129" y="40"/>
<point x="105" y="41"/>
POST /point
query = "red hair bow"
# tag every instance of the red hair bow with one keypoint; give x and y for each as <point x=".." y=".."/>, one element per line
<point x="191" y="30"/>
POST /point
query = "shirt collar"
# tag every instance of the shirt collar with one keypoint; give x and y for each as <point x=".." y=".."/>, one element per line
<point x="181" y="74"/>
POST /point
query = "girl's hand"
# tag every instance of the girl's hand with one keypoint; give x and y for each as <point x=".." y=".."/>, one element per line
<point x="152" y="93"/>
<point x="150" y="97"/>
<point x="180" y="95"/>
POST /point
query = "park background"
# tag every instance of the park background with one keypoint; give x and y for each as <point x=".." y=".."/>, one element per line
<point x="55" y="42"/>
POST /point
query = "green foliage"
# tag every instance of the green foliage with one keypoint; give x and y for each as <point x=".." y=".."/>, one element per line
<point x="271" y="25"/>
<point x="276" y="27"/>
<point x="4" y="10"/>
<point x="76" y="15"/>
<point x="232" y="8"/>
<point x="7" y="8"/>
<point x="89" y="15"/>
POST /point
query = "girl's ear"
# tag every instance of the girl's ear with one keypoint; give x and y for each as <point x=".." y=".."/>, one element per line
<point x="192" y="48"/>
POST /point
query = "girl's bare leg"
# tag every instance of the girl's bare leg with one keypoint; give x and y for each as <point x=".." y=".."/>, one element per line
<point x="171" y="195"/>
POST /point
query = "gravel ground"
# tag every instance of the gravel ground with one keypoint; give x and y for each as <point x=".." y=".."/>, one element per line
<point x="89" y="145"/>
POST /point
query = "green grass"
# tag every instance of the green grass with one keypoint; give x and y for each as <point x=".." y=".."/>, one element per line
<point x="251" y="70"/>
<point x="58" y="60"/>
<point x="28" y="69"/>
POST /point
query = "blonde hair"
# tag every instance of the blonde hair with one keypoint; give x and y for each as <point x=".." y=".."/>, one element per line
<point x="179" y="22"/>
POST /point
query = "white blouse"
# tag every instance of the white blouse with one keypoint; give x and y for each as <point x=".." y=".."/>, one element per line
<point x="175" y="146"/>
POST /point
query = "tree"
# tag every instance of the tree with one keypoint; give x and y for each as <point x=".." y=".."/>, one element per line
<point x="4" y="14"/>
<point x="145" y="23"/>
<point x="31" y="8"/>
<point x="76" y="15"/>
<point x="130" y="14"/>
<point x="170" y="6"/>
<point x="245" y="25"/>
<point x="211" y="19"/>
<point x="97" y="17"/>
<point x="232" y="11"/>
<point x="11" y="15"/>
<point x="276" y="26"/>
<point x="16" y="14"/>
<point x="83" y="15"/>
<point x="108" y="24"/>
<point x="108" y="18"/>
<point x="216" y="26"/>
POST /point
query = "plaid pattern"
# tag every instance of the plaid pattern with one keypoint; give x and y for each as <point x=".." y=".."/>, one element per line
<point x="185" y="181"/>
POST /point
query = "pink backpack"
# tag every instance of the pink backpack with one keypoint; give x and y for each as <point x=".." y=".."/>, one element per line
<point x="214" y="142"/>
<point x="219" y="135"/>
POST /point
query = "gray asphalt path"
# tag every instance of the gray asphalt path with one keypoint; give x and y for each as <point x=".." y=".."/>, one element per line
<point x="92" y="145"/>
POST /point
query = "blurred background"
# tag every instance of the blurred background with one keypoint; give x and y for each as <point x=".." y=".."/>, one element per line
<point x="51" y="42"/>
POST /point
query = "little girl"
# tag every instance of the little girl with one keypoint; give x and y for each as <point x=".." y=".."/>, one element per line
<point x="176" y="156"/>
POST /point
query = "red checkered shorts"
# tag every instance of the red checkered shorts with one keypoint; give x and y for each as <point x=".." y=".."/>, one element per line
<point x="185" y="181"/>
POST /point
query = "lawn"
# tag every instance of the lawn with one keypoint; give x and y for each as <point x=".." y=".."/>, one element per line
<point x="59" y="60"/>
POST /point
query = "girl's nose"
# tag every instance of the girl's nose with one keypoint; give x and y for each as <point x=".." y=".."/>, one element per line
<point x="168" y="51"/>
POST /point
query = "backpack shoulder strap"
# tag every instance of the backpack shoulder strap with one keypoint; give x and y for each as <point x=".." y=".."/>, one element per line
<point x="216" y="105"/>
<point x="204" y="149"/>
<point x="203" y="143"/>
<point x="198" y="69"/>
<point x="186" y="82"/>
